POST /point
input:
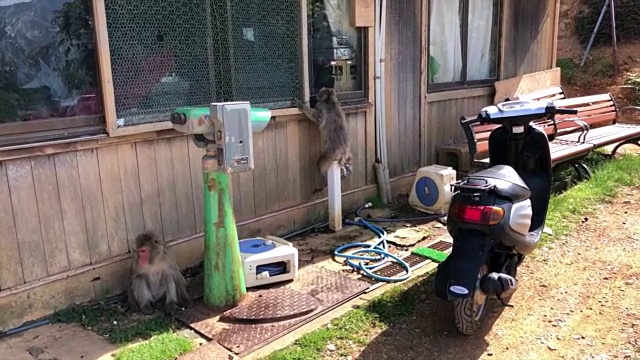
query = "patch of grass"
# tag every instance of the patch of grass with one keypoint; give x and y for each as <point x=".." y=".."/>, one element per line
<point x="114" y="322"/>
<point x="375" y="201"/>
<point x="354" y="327"/>
<point x="166" y="346"/>
<point x="567" y="69"/>
<point x="568" y="209"/>
<point x="596" y="68"/>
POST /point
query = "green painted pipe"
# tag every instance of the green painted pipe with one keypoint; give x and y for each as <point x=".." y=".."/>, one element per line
<point x="224" y="284"/>
<point x="260" y="117"/>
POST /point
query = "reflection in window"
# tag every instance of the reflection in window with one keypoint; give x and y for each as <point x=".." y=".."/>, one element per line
<point x="335" y="48"/>
<point x="463" y="41"/>
<point x="47" y="60"/>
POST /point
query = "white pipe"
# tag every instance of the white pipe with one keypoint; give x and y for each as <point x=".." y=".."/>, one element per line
<point x="383" y="105"/>
<point x="377" y="79"/>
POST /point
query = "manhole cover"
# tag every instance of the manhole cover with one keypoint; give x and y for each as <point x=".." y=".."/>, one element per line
<point x="273" y="305"/>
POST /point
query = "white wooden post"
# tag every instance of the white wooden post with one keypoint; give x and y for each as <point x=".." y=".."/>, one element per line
<point x="335" y="197"/>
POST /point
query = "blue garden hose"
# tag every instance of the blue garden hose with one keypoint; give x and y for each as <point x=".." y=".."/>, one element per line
<point x="380" y="247"/>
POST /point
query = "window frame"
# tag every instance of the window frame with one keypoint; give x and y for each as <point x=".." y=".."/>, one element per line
<point x="467" y="84"/>
<point x="357" y="97"/>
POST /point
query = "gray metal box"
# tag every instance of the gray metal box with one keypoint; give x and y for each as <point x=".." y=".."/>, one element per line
<point x="234" y="136"/>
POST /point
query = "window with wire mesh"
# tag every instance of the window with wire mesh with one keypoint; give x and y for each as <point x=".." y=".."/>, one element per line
<point x="171" y="53"/>
<point x="336" y="49"/>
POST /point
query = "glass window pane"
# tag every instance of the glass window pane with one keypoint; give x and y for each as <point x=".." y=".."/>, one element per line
<point x="335" y="47"/>
<point x="445" y="41"/>
<point x="47" y="60"/>
<point x="482" y="46"/>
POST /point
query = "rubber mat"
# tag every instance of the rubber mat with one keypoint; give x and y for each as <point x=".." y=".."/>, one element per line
<point x="330" y="289"/>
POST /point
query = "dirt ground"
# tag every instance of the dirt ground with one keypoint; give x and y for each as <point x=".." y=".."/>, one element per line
<point x="578" y="299"/>
<point x="629" y="63"/>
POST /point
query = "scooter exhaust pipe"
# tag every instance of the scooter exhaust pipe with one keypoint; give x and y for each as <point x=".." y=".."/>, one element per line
<point x="499" y="284"/>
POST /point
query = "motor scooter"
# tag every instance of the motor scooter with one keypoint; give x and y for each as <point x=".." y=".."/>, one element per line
<point x="496" y="216"/>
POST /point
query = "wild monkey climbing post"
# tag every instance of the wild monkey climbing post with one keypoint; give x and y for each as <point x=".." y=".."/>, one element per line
<point x="225" y="131"/>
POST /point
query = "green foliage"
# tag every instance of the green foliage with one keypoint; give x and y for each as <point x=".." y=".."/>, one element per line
<point x="633" y="80"/>
<point x="114" y="322"/>
<point x="596" y="68"/>
<point x="627" y="24"/>
<point x="376" y="202"/>
<point x="75" y="40"/>
<point x="568" y="69"/>
<point x="568" y="209"/>
<point x="167" y="346"/>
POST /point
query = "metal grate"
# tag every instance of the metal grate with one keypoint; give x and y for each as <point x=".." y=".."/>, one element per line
<point x="441" y="246"/>
<point x="170" y="53"/>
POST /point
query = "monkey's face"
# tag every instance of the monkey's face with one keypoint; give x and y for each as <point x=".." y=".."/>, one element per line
<point x="326" y="95"/>
<point x="144" y="255"/>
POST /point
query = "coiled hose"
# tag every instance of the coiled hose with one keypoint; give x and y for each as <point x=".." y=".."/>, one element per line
<point x="380" y="247"/>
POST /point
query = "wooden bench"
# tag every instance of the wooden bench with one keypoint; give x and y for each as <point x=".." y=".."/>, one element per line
<point x="573" y="136"/>
<point x="460" y="156"/>
<point x="563" y="152"/>
<point x="599" y="116"/>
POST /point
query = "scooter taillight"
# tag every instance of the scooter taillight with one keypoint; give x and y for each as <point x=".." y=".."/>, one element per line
<point x="476" y="214"/>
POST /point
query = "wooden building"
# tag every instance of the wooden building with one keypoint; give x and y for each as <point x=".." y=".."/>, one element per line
<point x="88" y="159"/>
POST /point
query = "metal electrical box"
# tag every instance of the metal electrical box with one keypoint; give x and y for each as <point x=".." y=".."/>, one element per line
<point x="233" y="135"/>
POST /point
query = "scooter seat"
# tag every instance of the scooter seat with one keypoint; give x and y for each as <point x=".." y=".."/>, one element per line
<point x="507" y="182"/>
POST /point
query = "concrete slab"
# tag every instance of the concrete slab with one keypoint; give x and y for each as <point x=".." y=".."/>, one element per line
<point x="210" y="350"/>
<point x="56" y="342"/>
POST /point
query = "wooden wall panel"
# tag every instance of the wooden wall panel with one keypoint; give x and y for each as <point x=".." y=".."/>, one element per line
<point x="197" y="183"/>
<point x="50" y="212"/>
<point x="528" y="36"/>
<point x="66" y="210"/>
<point x="131" y="194"/>
<point x="402" y="85"/>
<point x="149" y="192"/>
<point x="26" y="219"/>
<point x="92" y="202"/>
<point x="75" y="226"/>
<point x="113" y="201"/>
<point x="183" y="185"/>
<point x="444" y="124"/>
<point x="10" y="262"/>
<point x="167" y="189"/>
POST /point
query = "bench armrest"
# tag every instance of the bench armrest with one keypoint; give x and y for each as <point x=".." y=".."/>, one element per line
<point x="470" y="136"/>
<point x="584" y="128"/>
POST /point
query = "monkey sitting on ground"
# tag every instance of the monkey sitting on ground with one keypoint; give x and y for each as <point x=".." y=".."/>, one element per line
<point x="328" y="115"/>
<point x="155" y="276"/>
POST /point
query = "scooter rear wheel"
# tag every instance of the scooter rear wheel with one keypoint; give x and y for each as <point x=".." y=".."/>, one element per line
<point x="468" y="312"/>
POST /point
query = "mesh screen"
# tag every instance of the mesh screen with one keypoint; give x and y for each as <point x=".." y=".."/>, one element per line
<point x="170" y="53"/>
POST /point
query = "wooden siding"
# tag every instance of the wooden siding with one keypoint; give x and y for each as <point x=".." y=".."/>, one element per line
<point x="444" y="125"/>
<point x="528" y="37"/>
<point x="402" y="85"/>
<point x="65" y="210"/>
